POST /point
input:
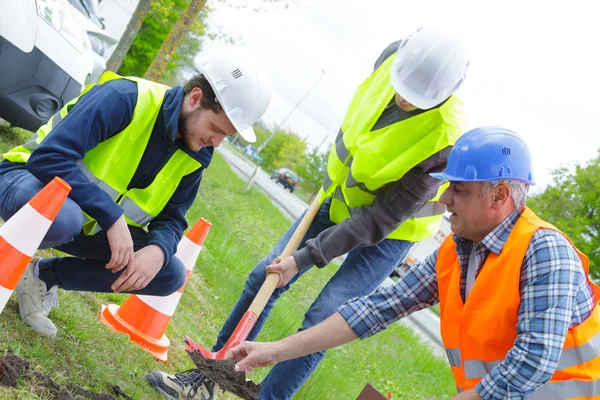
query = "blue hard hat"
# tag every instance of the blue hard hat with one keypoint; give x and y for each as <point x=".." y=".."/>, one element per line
<point x="489" y="153"/>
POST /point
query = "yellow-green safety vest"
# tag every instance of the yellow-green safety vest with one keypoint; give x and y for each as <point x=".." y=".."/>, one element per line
<point x="362" y="161"/>
<point x="112" y="163"/>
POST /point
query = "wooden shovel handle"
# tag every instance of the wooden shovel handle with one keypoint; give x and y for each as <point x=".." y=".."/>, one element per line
<point x="272" y="280"/>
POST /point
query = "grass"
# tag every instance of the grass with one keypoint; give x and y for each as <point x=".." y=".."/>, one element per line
<point x="11" y="137"/>
<point x="245" y="226"/>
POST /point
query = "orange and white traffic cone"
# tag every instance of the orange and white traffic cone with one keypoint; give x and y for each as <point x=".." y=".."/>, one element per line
<point x="22" y="234"/>
<point x="145" y="318"/>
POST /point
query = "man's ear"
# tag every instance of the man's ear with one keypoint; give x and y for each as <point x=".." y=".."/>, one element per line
<point x="195" y="97"/>
<point x="501" y="196"/>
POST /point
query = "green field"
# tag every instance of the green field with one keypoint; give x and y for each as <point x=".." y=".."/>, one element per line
<point x="245" y="226"/>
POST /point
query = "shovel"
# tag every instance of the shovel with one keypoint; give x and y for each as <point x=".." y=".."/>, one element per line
<point x="264" y="294"/>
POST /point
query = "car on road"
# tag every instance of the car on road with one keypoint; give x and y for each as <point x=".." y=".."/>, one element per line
<point x="45" y="59"/>
<point x="286" y="177"/>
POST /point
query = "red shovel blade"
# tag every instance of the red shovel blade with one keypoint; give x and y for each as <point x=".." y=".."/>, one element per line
<point x="239" y="335"/>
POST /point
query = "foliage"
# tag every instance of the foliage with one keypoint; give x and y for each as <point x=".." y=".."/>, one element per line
<point x="131" y="31"/>
<point x="572" y="203"/>
<point x="182" y="64"/>
<point x="285" y="149"/>
<point x="291" y="153"/>
<point x="158" y="23"/>
<point x="163" y="58"/>
<point x="312" y="170"/>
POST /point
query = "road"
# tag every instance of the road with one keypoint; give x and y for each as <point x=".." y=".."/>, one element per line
<point x="290" y="204"/>
<point x="425" y="323"/>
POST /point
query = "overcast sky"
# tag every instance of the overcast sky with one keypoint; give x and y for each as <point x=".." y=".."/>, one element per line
<point x="535" y="66"/>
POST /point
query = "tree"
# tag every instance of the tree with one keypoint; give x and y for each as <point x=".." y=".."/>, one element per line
<point x="572" y="203"/>
<point x="182" y="66"/>
<point x="312" y="170"/>
<point x="291" y="154"/>
<point x="160" y="19"/>
<point x="133" y="27"/>
<point x="165" y="54"/>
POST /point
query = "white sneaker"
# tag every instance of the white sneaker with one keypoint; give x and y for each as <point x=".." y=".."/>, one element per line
<point x="35" y="301"/>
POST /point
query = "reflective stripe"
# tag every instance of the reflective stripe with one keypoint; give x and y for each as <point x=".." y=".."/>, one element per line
<point x="362" y="187"/>
<point x="56" y="119"/>
<point x="570" y="389"/>
<point x="135" y="213"/>
<point x="580" y="354"/>
<point x="132" y="210"/>
<point x="31" y="144"/>
<point x="339" y="135"/>
<point x="338" y="195"/>
<point x="100" y="183"/>
<point x="341" y="150"/>
<point x="326" y="181"/>
<point x="454" y="357"/>
<point x="351" y="182"/>
<point x="430" y="209"/>
<point x="478" y="368"/>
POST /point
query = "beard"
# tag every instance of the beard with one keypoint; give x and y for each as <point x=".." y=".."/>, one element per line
<point x="183" y="126"/>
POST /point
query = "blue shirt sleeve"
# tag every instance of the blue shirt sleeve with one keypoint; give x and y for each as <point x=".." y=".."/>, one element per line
<point x="416" y="290"/>
<point x="167" y="228"/>
<point x="102" y="112"/>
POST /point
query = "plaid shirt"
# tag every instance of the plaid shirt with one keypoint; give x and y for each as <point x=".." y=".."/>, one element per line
<point x="555" y="296"/>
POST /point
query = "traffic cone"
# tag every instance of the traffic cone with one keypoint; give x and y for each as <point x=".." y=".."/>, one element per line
<point x="145" y="318"/>
<point x="22" y="234"/>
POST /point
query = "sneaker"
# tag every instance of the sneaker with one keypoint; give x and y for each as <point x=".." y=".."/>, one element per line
<point x="188" y="385"/>
<point x="35" y="301"/>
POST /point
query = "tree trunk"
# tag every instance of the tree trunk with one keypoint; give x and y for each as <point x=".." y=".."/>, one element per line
<point x="133" y="27"/>
<point x="163" y="58"/>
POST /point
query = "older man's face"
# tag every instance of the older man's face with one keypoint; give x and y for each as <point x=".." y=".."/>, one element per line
<point x="471" y="206"/>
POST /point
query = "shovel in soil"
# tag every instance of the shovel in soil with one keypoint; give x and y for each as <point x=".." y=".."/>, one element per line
<point x="262" y="297"/>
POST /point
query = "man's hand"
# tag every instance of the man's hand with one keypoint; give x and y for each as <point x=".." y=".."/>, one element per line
<point x="250" y="355"/>
<point x="470" y="394"/>
<point x="286" y="269"/>
<point x="138" y="274"/>
<point x="121" y="245"/>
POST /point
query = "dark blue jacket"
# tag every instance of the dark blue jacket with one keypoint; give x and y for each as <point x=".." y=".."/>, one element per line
<point x="103" y="112"/>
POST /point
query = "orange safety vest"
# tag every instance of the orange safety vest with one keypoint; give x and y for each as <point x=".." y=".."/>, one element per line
<point x="478" y="334"/>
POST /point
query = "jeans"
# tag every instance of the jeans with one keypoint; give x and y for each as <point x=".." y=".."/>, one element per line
<point x="85" y="271"/>
<point x="360" y="274"/>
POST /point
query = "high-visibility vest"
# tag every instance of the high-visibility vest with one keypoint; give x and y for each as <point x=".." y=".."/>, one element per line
<point x="112" y="163"/>
<point x="362" y="161"/>
<point x="478" y="334"/>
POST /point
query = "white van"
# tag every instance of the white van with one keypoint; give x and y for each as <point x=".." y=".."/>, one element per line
<point x="45" y="58"/>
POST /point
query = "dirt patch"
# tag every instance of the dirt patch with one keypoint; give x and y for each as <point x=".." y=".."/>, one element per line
<point x="13" y="368"/>
<point x="222" y="372"/>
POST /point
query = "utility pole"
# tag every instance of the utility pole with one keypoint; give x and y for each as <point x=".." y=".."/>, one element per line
<point x="263" y="144"/>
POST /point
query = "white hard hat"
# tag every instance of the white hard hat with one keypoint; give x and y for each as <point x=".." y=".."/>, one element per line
<point x="430" y="65"/>
<point x="241" y="85"/>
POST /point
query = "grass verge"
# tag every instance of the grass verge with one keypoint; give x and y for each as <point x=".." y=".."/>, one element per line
<point x="245" y="226"/>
